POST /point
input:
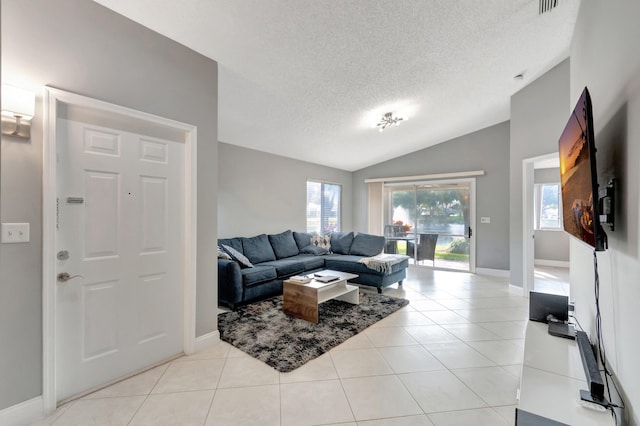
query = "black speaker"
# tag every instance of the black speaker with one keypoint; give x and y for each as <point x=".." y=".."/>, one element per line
<point x="544" y="305"/>
<point x="590" y="364"/>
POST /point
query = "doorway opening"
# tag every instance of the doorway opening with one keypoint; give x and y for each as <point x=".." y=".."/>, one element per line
<point x="546" y="245"/>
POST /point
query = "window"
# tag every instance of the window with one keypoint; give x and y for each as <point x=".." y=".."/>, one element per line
<point x="547" y="206"/>
<point x="323" y="207"/>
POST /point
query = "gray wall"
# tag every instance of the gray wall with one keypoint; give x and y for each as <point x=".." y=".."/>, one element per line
<point x="606" y="59"/>
<point x="265" y="193"/>
<point x="486" y="149"/>
<point x="539" y="113"/>
<point x="550" y="245"/>
<point x="79" y="46"/>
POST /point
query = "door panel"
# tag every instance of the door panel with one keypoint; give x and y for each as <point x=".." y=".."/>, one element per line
<point x="152" y="298"/>
<point x="153" y="151"/>
<point x="154" y="214"/>
<point x="445" y="212"/>
<point x="99" y="320"/>
<point x="102" y="200"/>
<point x="123" y="233"/>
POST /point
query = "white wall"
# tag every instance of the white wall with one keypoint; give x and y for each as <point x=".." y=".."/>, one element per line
<point x="82" y="47"/>
<point x="605" y="58"/>
<point x="486" y="149"/>
<point x="265" y="193"/>
<point x="538" y="116"/>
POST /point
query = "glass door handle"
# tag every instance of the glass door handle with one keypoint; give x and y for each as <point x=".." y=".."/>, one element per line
<point x="469" y="233"/>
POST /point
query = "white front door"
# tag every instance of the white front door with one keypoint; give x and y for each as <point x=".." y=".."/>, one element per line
<point x="119" y="238"/>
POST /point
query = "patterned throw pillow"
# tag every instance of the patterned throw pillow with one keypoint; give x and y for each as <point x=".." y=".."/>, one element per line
<point x="323" y="241"/>
<point x="222" y="254"/>
<point x="237" y="256"/>
<point x="313" y="250"/>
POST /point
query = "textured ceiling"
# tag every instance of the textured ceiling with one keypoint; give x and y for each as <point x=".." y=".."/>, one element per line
<point x="307" y="79"/>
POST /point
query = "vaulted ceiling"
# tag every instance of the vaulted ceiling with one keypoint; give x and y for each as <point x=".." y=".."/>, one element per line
<point x="308" y="79"/>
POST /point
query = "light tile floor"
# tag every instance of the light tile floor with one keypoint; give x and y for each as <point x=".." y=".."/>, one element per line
<point x="549" y="279"/>
<point x="451" y="357"/>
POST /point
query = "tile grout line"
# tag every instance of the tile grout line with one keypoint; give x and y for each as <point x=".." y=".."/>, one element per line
<point x="150" y="392"/>
<point x="215" y="390"/>
<point x="344" y="392"/>
<point x="454" y="375"/>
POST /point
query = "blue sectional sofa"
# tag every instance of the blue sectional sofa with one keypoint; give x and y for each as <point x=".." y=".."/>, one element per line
<point x="258" y="265"/>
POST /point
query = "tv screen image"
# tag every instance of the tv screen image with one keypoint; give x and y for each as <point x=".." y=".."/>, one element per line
<point x="578" y="176"/>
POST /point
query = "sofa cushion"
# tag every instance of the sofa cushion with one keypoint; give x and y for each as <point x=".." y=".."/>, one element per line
<point x="311" y="263"/>
<point x="258" y="249"/>
<point x="286" y="267"/>
<point x="283" y="244"/>
<point x="314" y="250"/>
<point x="341" y="242"/>
<point x="351" y="264"/>
<point x="366" y="245"/>
<point x="236" y="243"/>
<point x="303" y="239"/>
<point x="237" y="256"/>
<point x="258" y="274"/>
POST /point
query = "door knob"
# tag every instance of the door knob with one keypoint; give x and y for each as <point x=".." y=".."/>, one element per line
<point x="63" y="277"/>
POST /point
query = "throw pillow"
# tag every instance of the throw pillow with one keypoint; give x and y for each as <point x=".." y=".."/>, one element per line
<point x="222" y="254"/>
<point x="341" y="242"/>
<point x="314" y="250"/>
<point x="283" y="244"/>
<point x="237" y="256"/>
<point x="321" y="241"/>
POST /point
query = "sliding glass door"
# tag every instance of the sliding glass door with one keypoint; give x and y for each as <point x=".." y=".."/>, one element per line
<point x="432" y="222"/>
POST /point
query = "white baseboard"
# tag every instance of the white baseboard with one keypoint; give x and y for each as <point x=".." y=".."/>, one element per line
<point x="556" y="263"/>
<point x="207" y="341"/>
<point x="23" y="413"/>
<point x="493" y="272"/>
<point x="516" y="290"/>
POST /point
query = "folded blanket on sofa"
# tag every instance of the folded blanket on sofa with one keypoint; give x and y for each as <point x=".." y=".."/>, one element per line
<point x="383" y="262"/>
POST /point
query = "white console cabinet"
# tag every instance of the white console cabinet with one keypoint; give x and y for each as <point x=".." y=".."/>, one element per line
<point x="552" y="376"/>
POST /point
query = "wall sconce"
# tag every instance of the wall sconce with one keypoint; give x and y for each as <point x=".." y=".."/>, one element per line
<point x="18" y="108"/>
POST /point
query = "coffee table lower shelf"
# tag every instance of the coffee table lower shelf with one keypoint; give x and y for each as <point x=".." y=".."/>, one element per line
<point x="302" y="300"/>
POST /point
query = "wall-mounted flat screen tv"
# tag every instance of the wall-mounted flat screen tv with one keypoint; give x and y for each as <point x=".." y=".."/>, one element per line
<point x="578" y="176"/>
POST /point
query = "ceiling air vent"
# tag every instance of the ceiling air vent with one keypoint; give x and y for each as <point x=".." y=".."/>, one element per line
<point x="547" y="5"/>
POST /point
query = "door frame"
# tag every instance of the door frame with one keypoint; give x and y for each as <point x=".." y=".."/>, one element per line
<point x="52" y="99"/>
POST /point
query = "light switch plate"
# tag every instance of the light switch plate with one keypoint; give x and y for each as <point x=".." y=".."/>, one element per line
<point x="485" y="220"/>
<point x="15" y="232"/>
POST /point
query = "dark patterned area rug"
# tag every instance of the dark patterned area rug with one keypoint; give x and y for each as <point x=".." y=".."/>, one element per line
<point x="285" y="343"/>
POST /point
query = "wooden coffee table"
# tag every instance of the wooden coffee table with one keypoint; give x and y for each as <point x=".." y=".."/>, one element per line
<point x="302" y="300"/>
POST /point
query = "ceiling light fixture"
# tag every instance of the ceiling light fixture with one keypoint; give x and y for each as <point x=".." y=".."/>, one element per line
<point x="389" y="120"/>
